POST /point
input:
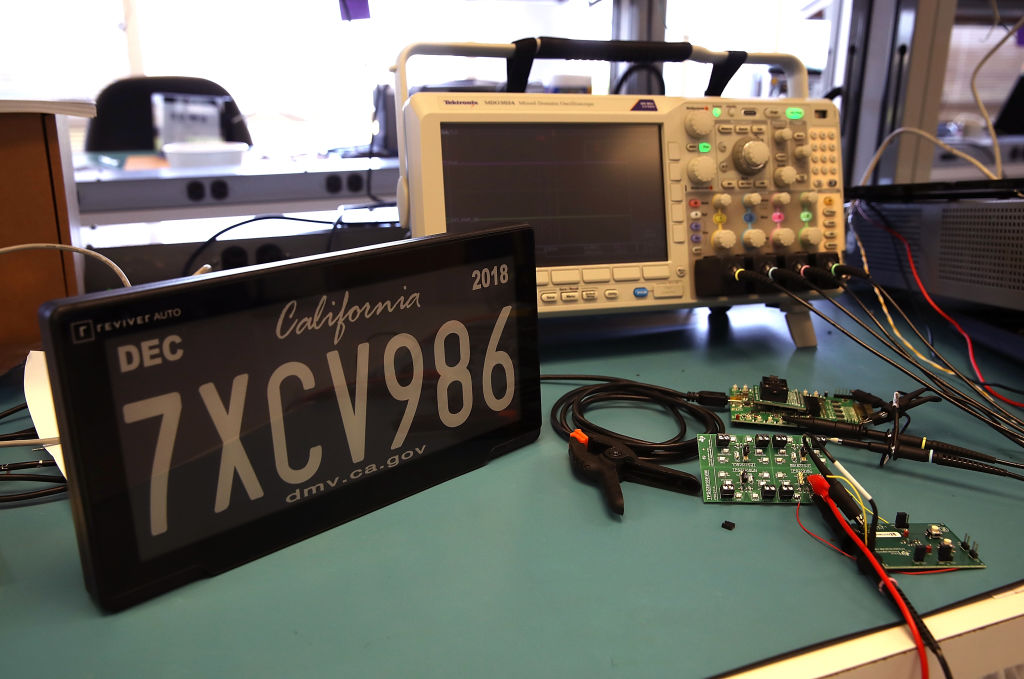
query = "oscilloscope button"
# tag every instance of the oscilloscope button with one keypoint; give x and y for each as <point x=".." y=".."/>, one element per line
<point x="542" y="278"/>
<point x="656" y="272"/>
<point x="626" y="273"/>
<point x="668" y="290"/>
<point x="567" y="277"/>
<point x="570" y="296"/>
<point x="678" y="233"/>
<point x="549" y="297"/>
<point x="602" y="275"/>
<point x="640" y="293"/>
<point x="588" y="295"/>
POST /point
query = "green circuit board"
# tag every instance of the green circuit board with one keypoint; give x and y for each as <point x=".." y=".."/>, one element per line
<point x="924" y="546"/>
<point x="765" y="404"/>
<point x="754" y="469"/>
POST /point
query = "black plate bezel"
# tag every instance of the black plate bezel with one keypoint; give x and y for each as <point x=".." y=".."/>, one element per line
<point x="114" y="573"/>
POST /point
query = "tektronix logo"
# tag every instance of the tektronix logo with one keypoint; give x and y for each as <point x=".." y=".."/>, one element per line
<point x="460" y="102"/>
<point x="644" y="105"/>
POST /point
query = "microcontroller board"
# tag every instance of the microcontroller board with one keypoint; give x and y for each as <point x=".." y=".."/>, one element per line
<point x="754" y="468"/>
<point x="924" y="546"/>
<point x="766" y="403"/>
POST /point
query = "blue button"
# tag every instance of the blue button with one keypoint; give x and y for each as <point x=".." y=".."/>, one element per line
<point x="639" y="292"/>
<point x="749" y="217"/>
<point x="696" y="226"/>
<point x="695" y="238"/>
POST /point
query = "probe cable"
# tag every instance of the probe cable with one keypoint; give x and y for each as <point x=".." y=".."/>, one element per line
<point x="917" y="278"/>
<point x="940" y="452"/>
<point x="569" y="413"/>
<point x="955" y="396"/>
<point x="60" y="483"/>
<point x="995" y="410"/>
<point x="962" y="401"/>
<point x="973" y="384"/>
<point x="881" y="299"/>
<point x="807" y="273"/>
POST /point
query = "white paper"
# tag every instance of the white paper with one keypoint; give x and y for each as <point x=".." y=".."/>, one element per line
<point x="40" y="404"/>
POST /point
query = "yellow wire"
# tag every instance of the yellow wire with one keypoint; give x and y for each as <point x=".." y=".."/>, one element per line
<point x="888" y="317"/>
<point x="860" y="501"/>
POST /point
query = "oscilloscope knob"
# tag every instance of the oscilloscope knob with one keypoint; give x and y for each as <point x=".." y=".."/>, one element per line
<point x="783" y="135"/>
<point x="750" y="155"/>
<point x="754" y="238"/>
<point x="699" y="124"/>
<point x="802" y="152"/>
<point x="810" y="236"/>
<point x="723" y="239"/>
<point x="783" y="237"/>
<point x="720" y="201"/>
<point x="784" y="176"/>
<point x="701" y="170"/>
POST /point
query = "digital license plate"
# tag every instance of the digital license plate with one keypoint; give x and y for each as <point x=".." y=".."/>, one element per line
<point x="209" y="421"/>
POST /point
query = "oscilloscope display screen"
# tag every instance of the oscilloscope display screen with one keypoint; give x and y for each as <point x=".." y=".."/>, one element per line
<point x="593" y="192"/>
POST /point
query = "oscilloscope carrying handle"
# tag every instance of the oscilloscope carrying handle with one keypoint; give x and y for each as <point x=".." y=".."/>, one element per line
<point x="795" y="70"/>
<point x="636" y="51"/>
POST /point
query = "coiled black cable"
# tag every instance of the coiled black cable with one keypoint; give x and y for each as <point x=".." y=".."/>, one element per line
<point x="569" y="413"/>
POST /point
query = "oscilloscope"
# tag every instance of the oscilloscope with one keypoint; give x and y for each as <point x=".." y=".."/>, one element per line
<point x="637" y="202"/>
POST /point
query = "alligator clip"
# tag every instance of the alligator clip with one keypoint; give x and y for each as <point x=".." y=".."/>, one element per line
<point x="606" y="462"/>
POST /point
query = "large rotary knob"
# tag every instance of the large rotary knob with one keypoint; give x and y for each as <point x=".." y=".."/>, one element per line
<point x="750" y="155"/>
<point x="700" y="170"/>
<point x="699" y="124"/>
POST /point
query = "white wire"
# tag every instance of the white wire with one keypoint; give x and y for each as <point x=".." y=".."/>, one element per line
<point x="30" y="442"/>
<point x="913" y="130"/>
<point x="70" y="248"/>
<point x="849" y="477"/>
<point x="960" y="154"/>
<point x="977" y="98"/>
